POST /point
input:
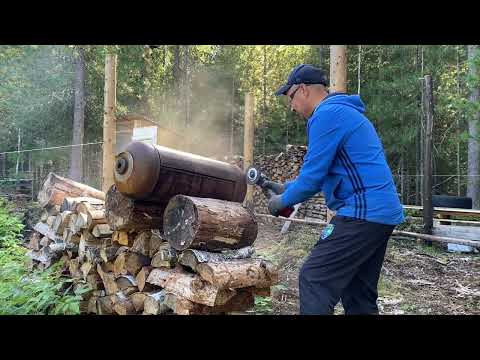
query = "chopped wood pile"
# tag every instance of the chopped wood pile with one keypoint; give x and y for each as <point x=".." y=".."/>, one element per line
<point x="187" y="255"/>
<point x="282" y="167"/>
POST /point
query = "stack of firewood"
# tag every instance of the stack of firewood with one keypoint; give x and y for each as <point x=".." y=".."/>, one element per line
<point x="187" y="255"/>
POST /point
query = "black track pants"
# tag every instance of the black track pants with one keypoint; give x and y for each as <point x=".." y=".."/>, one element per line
<point x="344" y="265"/>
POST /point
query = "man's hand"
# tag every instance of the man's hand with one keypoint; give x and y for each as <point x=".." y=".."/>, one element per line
<point x="275" y="204"/>
<point x="276" y="187"/>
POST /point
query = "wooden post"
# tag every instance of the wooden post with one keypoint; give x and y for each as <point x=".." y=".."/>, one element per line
<point x="338" y="68"/>
<point x="109" y="127"/>
<point x="427" y="160"/>
<point x="338" y="81"/>
<point x="249" y="129"/>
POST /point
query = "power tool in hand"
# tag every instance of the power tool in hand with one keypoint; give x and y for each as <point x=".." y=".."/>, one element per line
<point x="254" y="176"/>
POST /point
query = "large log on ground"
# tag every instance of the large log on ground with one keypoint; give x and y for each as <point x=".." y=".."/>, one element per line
<point x="191" y="257"/>
<point x="56" y="188"/>
<point x="123" y="213"/>
<point x="189" y="286"/>
<point x="208" y="224"/>
<point x="239" y="273"/>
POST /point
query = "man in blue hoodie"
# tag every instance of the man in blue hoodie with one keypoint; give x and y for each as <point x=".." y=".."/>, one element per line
<point x="345" y="160"/>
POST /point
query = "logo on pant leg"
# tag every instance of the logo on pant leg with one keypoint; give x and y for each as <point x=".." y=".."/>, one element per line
<point x="327" y="231"/>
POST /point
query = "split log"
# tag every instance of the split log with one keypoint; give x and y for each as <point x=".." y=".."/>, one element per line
<point x="239" y="273"/>
<point x="105" y="304"/>
<point x="35" y="240"/>
<point x="72" y="222"/>
<point x="154" y="303"/>
<point x="123" y="238"/>
<point x="108" y="253"/>
<point x="96" y="217"/>
<point x="53" y="210"/>
<point x="138" y="300"/>
<point x="44" y="216"/>
<point x="142" y="276"/>
<point x="189" y="286"/>
<point x="102" y="231"/>
<point x="191" y="257"/>
<point x="166" y="256"/>
<point x="147" y="243"/>
<point x="123" y="305"/>
<point x="51" y="220"/>
<point x="56" y="188"/>
<point x="123" y="213"/>
<point x="81" y="221"/>
<point x="242" y="301"/>
<point x="208" y="224"/>
<point x="74" y="268"/>
<point x="129" y="263"/>
<point x="94" y="281"/>
<point x="87" y="268"/>
<point x="108" y="279"/>
<point x="61" y="222"/>
<point x="45" y="230"/>
<point x="45" y="241"/>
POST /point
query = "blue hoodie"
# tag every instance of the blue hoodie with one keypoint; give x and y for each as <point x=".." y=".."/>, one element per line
<point x="345" y="160"/>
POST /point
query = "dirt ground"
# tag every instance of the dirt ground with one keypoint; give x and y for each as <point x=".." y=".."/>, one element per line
<point x="415" y="278"/>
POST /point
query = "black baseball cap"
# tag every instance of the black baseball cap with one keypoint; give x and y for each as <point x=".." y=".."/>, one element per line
<point x="303" y="74"/>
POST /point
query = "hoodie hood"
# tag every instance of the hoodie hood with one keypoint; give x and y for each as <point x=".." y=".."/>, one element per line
<point x="353" y="101"/>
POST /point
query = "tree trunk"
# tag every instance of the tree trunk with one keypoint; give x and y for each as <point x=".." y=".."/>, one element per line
<point x="76" y="161"/>
<point x="473" y="148"/>
<point x="123" y="213"/>
<point x="208" y="224"/>
<point x="56" y="188"/>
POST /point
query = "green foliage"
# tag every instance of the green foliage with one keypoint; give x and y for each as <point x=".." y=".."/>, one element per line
<point x="263" y="305"/>
<point x="38" y="292"/>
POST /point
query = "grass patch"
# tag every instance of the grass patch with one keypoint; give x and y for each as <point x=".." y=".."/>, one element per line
<point x="37" y="292"/>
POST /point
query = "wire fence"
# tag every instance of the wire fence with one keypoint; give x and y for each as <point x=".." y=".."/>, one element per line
<point x="23" y="172"/>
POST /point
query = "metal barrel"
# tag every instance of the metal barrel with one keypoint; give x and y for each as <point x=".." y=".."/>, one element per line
<point x="157" y="173"/>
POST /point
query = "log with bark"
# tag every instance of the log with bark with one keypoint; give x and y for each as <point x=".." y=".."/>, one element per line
<point x="208" y="224"/>
<point x="123" y="213"/>
<point x="243" y="300"/>
<point x="189" y="286"/>
<point x="191" y="257"/>
<point x="239" y="273"/>
<point x="56" y="188"/>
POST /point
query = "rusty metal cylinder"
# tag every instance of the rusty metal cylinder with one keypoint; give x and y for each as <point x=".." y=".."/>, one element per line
<point x="157" y="173"/>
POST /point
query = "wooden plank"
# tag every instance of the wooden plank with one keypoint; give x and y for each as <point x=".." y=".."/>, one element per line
<point x="451" y="211"/>
<point x="463" y="232"/>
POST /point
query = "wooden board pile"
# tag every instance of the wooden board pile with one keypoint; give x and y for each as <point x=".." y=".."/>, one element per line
<point x="282" y="167"/>
<point x="186" y="256"/>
